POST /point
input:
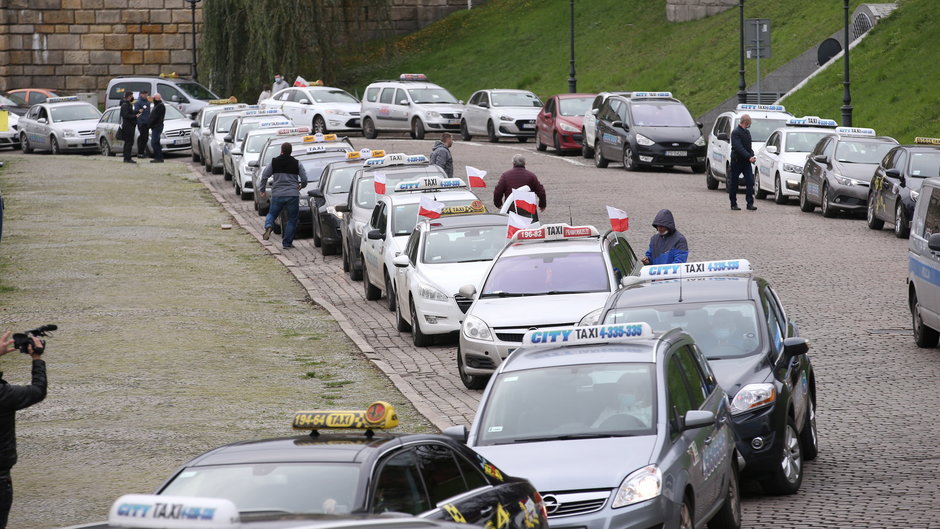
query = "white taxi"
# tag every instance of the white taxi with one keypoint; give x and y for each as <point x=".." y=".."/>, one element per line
<point x="553" y="276"/>
<point x="199" y="128"/>
<point x="393" y="219"/>
<point x="59" y="124"/>
<point x="250" y="150"/>
<point x="780" y="163"/>
<point x="411" y="103"/>
<point x="219" y="128"/>
<point x="324" y="108"/>
<point x="764" y="120"/>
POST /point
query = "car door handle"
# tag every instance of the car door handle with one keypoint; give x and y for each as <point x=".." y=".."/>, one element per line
<point x="708" y="440"/>
<point x="486" y="511"/>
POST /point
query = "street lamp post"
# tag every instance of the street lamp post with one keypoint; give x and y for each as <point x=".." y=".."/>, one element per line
<point x="192" y="5"/>
<point x="742" y="84"/>
<point x="846" y="95"/>
<point x="572" y="81"/>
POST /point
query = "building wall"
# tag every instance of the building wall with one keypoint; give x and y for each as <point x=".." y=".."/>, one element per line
<point x="685" y="10"/>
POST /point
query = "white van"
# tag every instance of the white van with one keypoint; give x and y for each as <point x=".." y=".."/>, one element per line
<point x="186" y="95"/>
<point x="923" y="268"/>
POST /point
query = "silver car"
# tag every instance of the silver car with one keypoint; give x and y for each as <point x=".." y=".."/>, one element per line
<point x="175" y="137"/>
<point x="58" y="125"/>
<point x="500" y="114"/>
<point x="201" y="125"/>
<point x="635" y="427"/>
<point x="249" y="151"/>
<point x="239" y="130"/>
<point x="219" y="127"/>
<point x="409" y="104"/>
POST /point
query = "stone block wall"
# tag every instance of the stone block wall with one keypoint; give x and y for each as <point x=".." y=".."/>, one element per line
<point x="686" y="10"/>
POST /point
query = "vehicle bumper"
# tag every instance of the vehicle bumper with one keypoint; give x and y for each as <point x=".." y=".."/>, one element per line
<point x="849" y="198"/>
<point x="521" y="128"/>
<point x="78" y="144"/>
<point x="657" y="155"/>
<point x="305" y="218"/>
<point x="438" y="317"/>
<point x="9" y="138"/>
<point x="649" y="514"/>
<point x="216" y="156"/>
<point x="331" y="228"/>
<point x="342" y="123"/>
<point x="443" y="124"/>
<point x="791" y="183"/>
<point x="481" y="357"/>
<point x="175" y="144"/>
<point x="569" y="140"/>
<point x="757" y="441"/>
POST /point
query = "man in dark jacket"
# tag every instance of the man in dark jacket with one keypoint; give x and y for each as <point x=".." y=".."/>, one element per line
<point x="287" y="179"/>
<point x="668" y="245"/>
<point x="157" y="115"/>
<point x="742" y="156"/>
<point x="515" y="178"/>
<point x="440" y="154"/>
<point x="128" y="122"/>
<point x="142" y="110"/>
<point x="13" y="398"/>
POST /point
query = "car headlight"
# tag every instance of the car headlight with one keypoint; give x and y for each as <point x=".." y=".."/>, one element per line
<point x="792" y="168"/>
<point x="644" y="484"/>
<point x="914" y="195"/>
<point x="568" y="128"/>
<point x="506" y="118"/>
<point x="433" y="114"/>
<point x="700" y="141"/>
<point x="304" y="202"/>
<point x="69" y="133"/>
<point x="431" y="293"/>
<point x="591" y="317"/>
<point x="643" y="140"/>
<point x="332" y="211"/>
<point x="337" y="112"/>
<point x="846" y="181"/>
<point x="163" y="135"/>
<point x="753" y="396"/>
<point x="477" y="329"/>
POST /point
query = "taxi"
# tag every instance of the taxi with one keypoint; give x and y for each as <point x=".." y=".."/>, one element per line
<point x="314" y="160"/>
<point x="896" y="185"/>
<point x="220" y="126"/>
<point x="552" y="276"/>
<point x="412" y="103"/>
<point x="199" y="128"/>
<point x="331" y="191"/>
<point x="59" y="124"/>
<point x="764" y="120"/>
<point x="635" y="427"/>
<point x="439" y="257"/>
<point x="838" y="172"/>
<point x="393" y="219"/>
<point x="753" y="346"/>
<point x="322" y="108"/>
<point x="250" y="151"/>
<point x="10" y="136"/>
<point x="357" y="211"/>
<point x="175" y="137"/>
<point x="500" y="113"/>
<point x="780" y="162"/>
<point x="589" y="123"/>
<point x="240" y="128"/>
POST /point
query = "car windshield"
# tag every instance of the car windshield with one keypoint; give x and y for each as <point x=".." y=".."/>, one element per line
<point x="365" y="189"/>
<point x="197" y="90"/>
<point x="925" y="164"/>
<point x="862" y="151"/>
<point x="431" y="95"/>
<point x="570" y="402"/>
<point x="405" y="216"/>
<point x="313" y="167"/>
<point x="224" y="123"/>
<point x="256" y="142"/>
<point x="173" y="113"/>
<point x="332" y="96"/>
<point x="548" y="273"/>
<point x="515" y="99"/>
<point x="287" y="487"/>
<point x="341" y="179"/>
<point x="12" y="100"/>
<point x="574" y="106"/>
<point x="299" y="149"/>
<point x="761" y="128"/>
<point x="248" y="126"/>
<point x="662" y="114"/>
<point x="463" y="245"/>
<point x="208" y="114"/>
<point x="721" y="330"/>
<point x="74" y="113"/>
<point x="803" y="141"/>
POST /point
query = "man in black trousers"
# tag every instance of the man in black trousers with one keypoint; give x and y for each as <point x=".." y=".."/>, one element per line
<point x="742" y="156"/>
<point x="157" y="115"/>
<point x="142" y="109"/>
<point x="128" y="123"/>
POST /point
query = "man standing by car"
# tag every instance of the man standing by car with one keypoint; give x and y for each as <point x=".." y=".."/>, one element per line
<point x="128" y="123"/>
<point x="157" y="115"/>
<point x="515" y="178"/>
<point x="142" y="110"/>
<point x="440" y="154"/>
<point x="287" y="179"/>
<point x="742" y="156"/>
<point x="279" y="84"/>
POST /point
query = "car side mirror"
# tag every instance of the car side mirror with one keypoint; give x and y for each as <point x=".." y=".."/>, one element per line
<point x="617" y="124"/>
<point x="821" y="158"/>
<point x="236" y="152"/>
<point x="175" y="98"/>
<point x="934" y="242"/>
<point x="697" y="419"/>
<point x="316" y="193"/>
<point x="205" y="132"/>
<point x="342" y="208"/>
<point x="484" y="105"/>
<point x="194" y="124"/>
<point x="772" y="149"/>
<point x="375" y="235"/>
<point x="795" y="346"/>
<point x="699" y="124"/>
<point x="228" y="138"/>
<point x="457" y="433"/>
<point x="42" y="120"/>
<point x="304" y="101"/>
<point x="254" y="163"/>
<point x="401" y="261"/>
<point x="722" y="136"/>
<point x="468" y="291"/>
<point x="403" y="102"/>
<point x="594" y="111"/>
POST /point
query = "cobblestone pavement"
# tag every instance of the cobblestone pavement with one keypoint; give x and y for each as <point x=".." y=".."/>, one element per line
<point x="843" y="283"/>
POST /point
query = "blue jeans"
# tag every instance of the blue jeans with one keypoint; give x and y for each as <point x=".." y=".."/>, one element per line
<point x="292" y="205"/>
<point x="155" y="146"/>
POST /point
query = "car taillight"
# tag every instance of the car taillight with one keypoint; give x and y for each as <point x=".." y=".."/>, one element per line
<point x="540" y="505"/>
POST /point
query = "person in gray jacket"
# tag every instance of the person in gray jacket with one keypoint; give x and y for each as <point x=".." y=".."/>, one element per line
<point x="440" y="154"/>
<point x="287" y="179"/>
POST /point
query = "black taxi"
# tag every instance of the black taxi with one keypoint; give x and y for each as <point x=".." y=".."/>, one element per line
<point x="753" y="347"/>
<point x="366" y="472"/>
<point x="897" y="181"/>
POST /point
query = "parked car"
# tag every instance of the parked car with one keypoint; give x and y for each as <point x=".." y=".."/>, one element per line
<point x="175" y="137"/>
<point x="322" y="108"/>
<point x="500" y="114"/>
<point x="559" y="122"/>
<point x="186" y="95"/>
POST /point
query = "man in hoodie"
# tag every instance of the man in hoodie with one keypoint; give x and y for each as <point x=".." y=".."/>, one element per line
<point x="667" y="245"/>
<point x="288" y="177"/>
<point x="440" y="154"/>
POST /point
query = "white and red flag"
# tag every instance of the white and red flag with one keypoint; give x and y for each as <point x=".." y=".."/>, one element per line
<point x="618" y="219"/>
<point x="476" y="176"/>
<point x="526" y="201"/>
<point x="430" y="208"/>
<point x="379" y="182"/>
<point x="516" y="223"/>
<point x="300" y="81"/>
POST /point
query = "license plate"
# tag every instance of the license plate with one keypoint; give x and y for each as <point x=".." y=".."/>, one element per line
<point x="677" y="153"/>
<point x="89" y="141"/>
<point x="524" y="126"/>
<point x="453" y="122"/>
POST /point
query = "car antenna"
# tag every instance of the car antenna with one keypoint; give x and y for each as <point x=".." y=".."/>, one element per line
<point x="570" y="218"/>
<point x="680" y="290"/>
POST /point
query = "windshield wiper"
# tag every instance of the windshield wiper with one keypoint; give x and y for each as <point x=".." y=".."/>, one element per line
<point x="474" y="260"/>
<point x="502" y="294"/>
<point x="556" y="292"/>
<point x="569" y="437"/>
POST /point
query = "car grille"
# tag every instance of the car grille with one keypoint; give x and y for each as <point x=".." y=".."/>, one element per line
<point x="560" y="504"/>
<point x="450" y="116"/>
<point x="510" y="336"/>
<point x="463" y="303"/>
<point x="525" y="124"/>
<point x="515" y="334"/>
<point x="177" y="133"/>
<point x="86" y="132"/>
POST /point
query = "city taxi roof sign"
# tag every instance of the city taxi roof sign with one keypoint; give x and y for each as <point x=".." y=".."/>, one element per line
<point x="293" y="131"/>
<point x="554" y="232"/>
<point x="920" y="140"/>
<point x="230" y="107"/>
<point x="589" y="334"/>
<point x="399" y="158"/>
<point x="855" y="131"/>
<point x="643" y="95"/>
<point x="273" y="124"/>
<point x="63" y="99"/>
<point x="364" y="154"/>
<point x="695" y="269"/>
<point x="259" y="112"/>
<point x="812" y="121"/>
<point x="380" y="415"/>
<point x="762" y="108"/>
<point x="412" y="77"/>
<point x="429" y="183"/>
<point x="319" y="138"/>
<point x="172" y="512"/>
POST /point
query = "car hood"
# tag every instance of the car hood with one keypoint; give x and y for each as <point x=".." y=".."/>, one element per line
<point x="345" y="107"/>
<point x="794" y="158"/>
<point x="735" y="373"/>
<point x="676" y="134"/>
<point x="451" y="276"/>
<point x="177" y="124"/>
<point x="574" y="121"/>
<point x="533" y="311"/>
<point x="576" y="464"/>
<point x="82" y="124"/>
<point x="859" y="171"/>
<point x="515" y="112"/>
<point x="446" y="107"/>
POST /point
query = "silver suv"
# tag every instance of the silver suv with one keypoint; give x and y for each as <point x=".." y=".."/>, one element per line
<point x="412" y="104"/>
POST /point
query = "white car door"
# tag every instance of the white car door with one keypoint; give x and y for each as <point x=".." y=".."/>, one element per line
<point x="404" y="276"/>
<point x="293" y="108"/>
<point x="373" y="249"/>
<point x="479" y="113"/>
<point x="589" y="123"/>
<point x="768" y="159"/>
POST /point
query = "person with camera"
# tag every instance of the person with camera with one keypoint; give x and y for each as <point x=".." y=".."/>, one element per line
<point x="12" y="399"/>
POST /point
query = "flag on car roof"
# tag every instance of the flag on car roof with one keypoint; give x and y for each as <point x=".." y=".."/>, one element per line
<point x="618" y="219"/>
<point x="300" y="81"/>
<point x="525" y="200"/>
<point x="430" y="208"/>
<point x="476" y="176"/>
<point x="516" y="223"/>
<point x="379" y="182"/>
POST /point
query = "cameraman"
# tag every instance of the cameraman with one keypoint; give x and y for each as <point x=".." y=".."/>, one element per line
<point x="13" y="398"/>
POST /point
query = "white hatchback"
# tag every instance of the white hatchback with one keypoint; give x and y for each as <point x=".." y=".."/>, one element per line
<point x="764" y="119"/>
<point x="500" y="114"/>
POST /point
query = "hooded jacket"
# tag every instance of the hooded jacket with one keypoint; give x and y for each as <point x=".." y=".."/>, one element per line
<point x="669" y="248"/>
<point x="440" y="156"/>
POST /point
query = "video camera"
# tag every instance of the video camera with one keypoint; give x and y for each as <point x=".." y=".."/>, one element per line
<point x="22" y="341"/>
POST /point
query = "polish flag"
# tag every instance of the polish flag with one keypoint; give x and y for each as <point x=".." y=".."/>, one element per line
<point x="525" y="201"/>
<point x="618" y="219"/>
<point x="476" y="176"/>
<point x="379" y="182"/>
<point x="430" y="208"/>
<point x="301" y="81"/>
<point x="516" y="223"/>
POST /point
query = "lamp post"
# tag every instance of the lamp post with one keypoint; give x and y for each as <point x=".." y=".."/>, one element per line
<point x="192" y="5"/>
<point x="742" y="84"/>
<point x="846" y="95"/>
<point x="572" y="81"/>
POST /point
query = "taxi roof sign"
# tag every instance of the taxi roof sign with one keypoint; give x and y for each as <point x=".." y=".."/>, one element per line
<point x="170" y="512"/>
<point x="429" y="183"/>
<point x="412" y="77"/>
<point x="474" y="208"/>
<point x="695" y="269"/>
<point x="62" y="99"/>
<point x="765" y="108"/>
<point x="640" y="95"/>
<point x="398" y="158"/>
<point x="293" y="131"/>
<point x="926" y="141"/>
<point x="319" y="137"/>
<point x="811" y="121"/>
<point x="380" y="415"/>
<point x="259" y="112"/>
<point x="228" y="101"/>
<point x="363" y="154"/>
<point x="272" y="124"/>
<point x="855" y="131"/>
<point x="589" y="334"/>
<point x="554" y="232"/>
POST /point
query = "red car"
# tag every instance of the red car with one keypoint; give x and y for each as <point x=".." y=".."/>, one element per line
<point x="559" y="122"/>
<point x="34" y="96"/>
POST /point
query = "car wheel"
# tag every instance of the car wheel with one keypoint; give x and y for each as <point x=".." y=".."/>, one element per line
<point x="809" y="437"/>
<point x="628" y="162"/>
<point x="24" y="144"/>
<point x="213" y="170"/>
<point x="238" y="189"/>
<point x="729" y="517"/>
<point x="317" y="241"/>
<point x="586" y="150"/>
<point x="319" y="125"/>
<point x="539" y="146"/>
<point x="779" y="197"/>
<point x="758" y="192"/>
<point x="902" y="226"/>
<point x="194" y="156"/>
<point x="106" y="148"/>
<point x="345" y="259"/>
<point x="368" y="129"/>
<point x="924" y="336"/>
<point x="696" y="168"/>
<point x="599" y="160"/>
<point x="54" y="145"/>
<point x="788" y="473"/>
<point x="491" y="133"/>
<point x="522" y="139"/>
<point x="247" y="195"/>
<point x="207" y="161"/>
<point x="469" y="381"/>
<point x="389" y="293"/>
<point x="710" y="181"/>
<point x="464" y="131"/>
<point x="356" y="273"/>
<point x="263" y="210"/>
<point x="417" y="337"/>
<point x="400" y="324"/>
<point x="871" y="217"/>
<point x="825" y="206"/>
<point x="417" y="129"/>
<point x="372" y="292"/>
<point x="805" y="205"/>
<point x="685" y="514"/>
<point x="556" y="142"/>
<point x="227" y="176"/>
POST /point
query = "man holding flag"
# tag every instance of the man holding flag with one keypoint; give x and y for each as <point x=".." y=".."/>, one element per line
<point x="524" y="201"/>
<point x="667" y="245"/>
